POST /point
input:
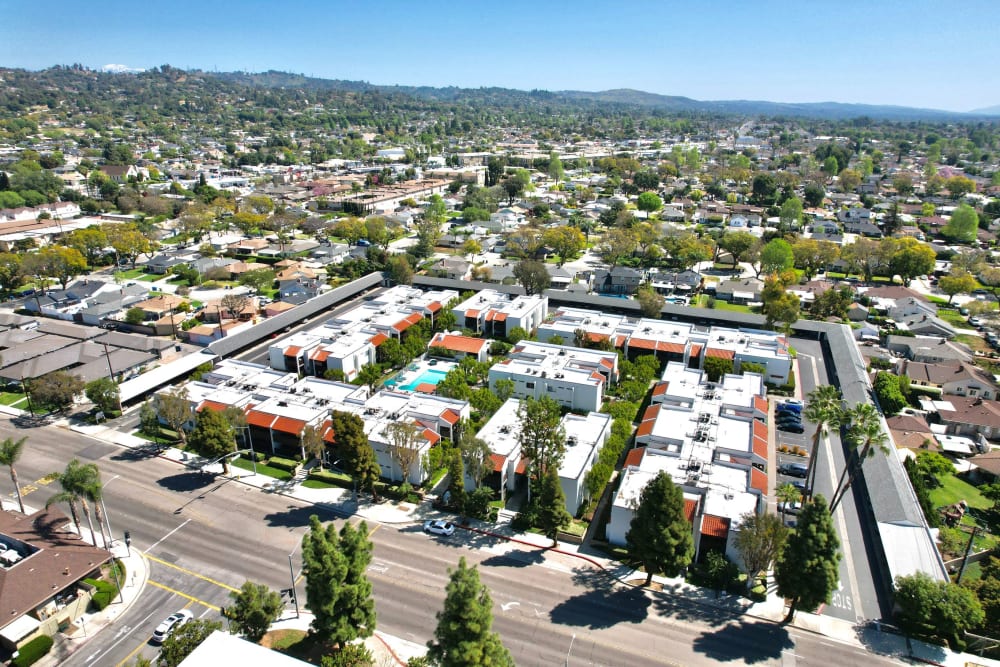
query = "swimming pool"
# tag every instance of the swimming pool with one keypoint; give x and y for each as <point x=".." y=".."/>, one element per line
<point x="429" y="376"/>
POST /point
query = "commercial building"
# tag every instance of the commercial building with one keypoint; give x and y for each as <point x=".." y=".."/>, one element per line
<point x="495" y="314"/>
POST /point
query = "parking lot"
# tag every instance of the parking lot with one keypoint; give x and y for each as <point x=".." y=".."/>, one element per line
<point x="791" y="440"/>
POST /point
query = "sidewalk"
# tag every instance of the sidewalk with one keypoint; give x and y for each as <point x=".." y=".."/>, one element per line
<point x="502" y="540"/>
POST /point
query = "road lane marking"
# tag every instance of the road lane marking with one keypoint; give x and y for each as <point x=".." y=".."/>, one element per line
<point x="192" y="573"/>
<point x="33" y="486"/>
<point x="112" y="647"/>
<point x="157" y="542"/>
<point x="183" y="595"/>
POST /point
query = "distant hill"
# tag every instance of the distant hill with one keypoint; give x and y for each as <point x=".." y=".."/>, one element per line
<point x="617" y="97"/>
<point x="987" y="111"/>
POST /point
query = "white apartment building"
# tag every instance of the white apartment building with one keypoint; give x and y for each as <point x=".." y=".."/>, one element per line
<point x="494" y="314"/>
<point x="711" y="438"/>
<point x="670" y="341"/>
<point x="572" y="376"/>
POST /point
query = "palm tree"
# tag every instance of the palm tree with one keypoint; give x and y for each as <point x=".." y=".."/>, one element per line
<point x="787" y="494"/>
<point x="865" y="437"/>
<point x="10" y="452"/>
<point x="823" y="408"/>
<point x="73" y="481"/>
<point x="94" y="492"/>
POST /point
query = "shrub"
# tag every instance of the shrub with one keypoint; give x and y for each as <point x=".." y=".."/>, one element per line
<point x="105" y="592"/>
<point x="288" y="465"/>
<point x="329" y="477"/>
<point x="32" y="651"/>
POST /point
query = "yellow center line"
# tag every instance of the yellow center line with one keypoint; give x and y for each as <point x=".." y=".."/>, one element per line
<point x="183" y="595"/>
<point x="193" y="574"/>
<point x="131" y="655"/>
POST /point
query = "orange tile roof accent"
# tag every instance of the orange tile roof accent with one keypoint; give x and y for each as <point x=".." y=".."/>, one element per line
<point x="695" y="350"/>
<point x="327" y="431"/>
<point x="597" y="376"/>
<point x="758" y="480"/>
<point x="760" y="403"/>
<point x="715" y="526"/>
<point x="670" y="347"/>
<point x="426" y="388"/>
<point x="522" y="466"/>
<point x="460" y="343"/>
<point x="472" y="313"/>
<point x="634" y="457"/>
<point x="434" y="306"/>
<point x="607" y="363"/>
<point x="651" y="412"/>
<point x="498" y="462"/>
<point x="690" y="507"/>
<point x="660" y="388"/>
<point x="500" y="317"/>
<point x="620" y="340"/>
<point x="319" y="354"/>
<point x="490" y="314"/>
<point x="288" y="425"/>
<point x="378" y="339"/>
<point x="451" y="416"/>
<point x="641" y="343"/>
<point x="645" y="428"/>
<point x="760" y="447"/>
<point x="407" y="322"/>
<point x="214" y="406"/>
<point x="261" y="419"/>
<point x="719" y="354"/>
<point x="292" y="351"/>
<point x="759" y="429"/>
<point x="597" y="337"/>
<point x="431" y="437"/>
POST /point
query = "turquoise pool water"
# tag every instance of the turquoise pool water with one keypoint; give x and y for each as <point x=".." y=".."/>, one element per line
<point x="429" y="376"/>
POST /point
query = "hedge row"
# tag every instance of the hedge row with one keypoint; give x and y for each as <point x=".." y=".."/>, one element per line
<point x="621" y="431"/>
<point x="32" y="651"/>
<point x="105" y="592"/>
<point x="288" y="465"/>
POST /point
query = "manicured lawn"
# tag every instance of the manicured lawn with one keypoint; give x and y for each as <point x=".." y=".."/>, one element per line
<point x="977" y="343"/>
<point x="8" y="398"/>
<point x="131" y="274"/>
<point x="165" y="437"/>
<point x="262" y="469"/>
<point x="953" y="318"/>
<point x="953" y="489"/>
<point x="149" y="277"/>
<point x="723" y="305"/>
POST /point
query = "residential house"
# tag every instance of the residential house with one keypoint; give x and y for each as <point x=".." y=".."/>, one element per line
<point x="504" y="220"/>
<point x="740" y="290"/>
<point x="911" y="432"/>
<point x="119" y="173"/>
<point x="161" y="264"/>
<point x="927" y="349"/>
<point x="248" y="246"/>
<point x="455" y="268"/>
<point x="970" y="416"/>
<point x="617" y="280"/>
<point x="462" y="346"/>
<point x="953" y="378"/>
<point x="159" y="305"/>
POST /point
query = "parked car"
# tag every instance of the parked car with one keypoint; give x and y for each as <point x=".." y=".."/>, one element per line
<point x="790" y="508"/>
<point x="788" y="419"/>
<point x="794" y="469"/>
<point x="170" y="624"/>
<point x="785" y="409"/>
<point x="439" y="527"/>
<point x="791" y="428"/>
<point x="975" y="321"/>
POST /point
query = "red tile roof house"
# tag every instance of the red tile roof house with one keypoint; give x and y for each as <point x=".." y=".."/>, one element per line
<point x="462" y="346"/>
<point x="40" y="569"/>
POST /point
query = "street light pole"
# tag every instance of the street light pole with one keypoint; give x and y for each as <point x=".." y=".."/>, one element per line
<point x="253" y="454"/>
<point x="291" y="574"/>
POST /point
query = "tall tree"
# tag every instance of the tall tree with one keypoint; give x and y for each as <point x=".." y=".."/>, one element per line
<point x="104" y="393"/>
<point x="650" y="301"/>
<point x="255" y="607"/>
<point x="463" y="637"/>
<point x="963" y="225"/>
<point x="787" y="496"/>
<point x="542" y="437"/>
<point x="791" y="214"/>
<point x="957" y="282"/>
<point x="475" y="455"/>
<point x="370" y="375"/>
<point x="775" y="257"/>
<point x="338" y="592"/>
<point x="174" y="409"/>
<point x="824" y="408"/>
<point x="866" y="438"/>
<point x="737" y="244"/>
<point x="10" y="452"/>
<point x="532" y="276"/>
<point x="937" y="608"/>
<point x="551" y="502"/>
<point x="405" y="440"/>
<point x="312" y="443"/>
<point x="92" y="490"/>
<point x="213" y="436"/>
<point x="659" y="535"/>
<point x="806" y="571"/>
<point x="71" y="482"/>
<point x="760" y="539"/>
<point x="869" y="256"/>
<point x="57" y="389"/>
<point x="617" y="245"/>
<point x="567" y="242"/>
<point x="351" y="446"/>
<point x="912" y="258"/>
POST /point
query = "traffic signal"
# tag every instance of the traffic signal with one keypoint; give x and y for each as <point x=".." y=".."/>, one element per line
<point x="128" y="539"/>
<point x="288" y="595"/>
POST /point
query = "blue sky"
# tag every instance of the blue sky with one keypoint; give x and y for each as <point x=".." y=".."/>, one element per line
<point x="942" y="55"/>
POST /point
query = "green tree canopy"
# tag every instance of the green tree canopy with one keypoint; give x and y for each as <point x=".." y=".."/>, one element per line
<point x="660" y="536"/>
<point x="776" y="256"/>
<point x="937" y="608"/>
<point x="806" y="571"/>
<point x="532" y="276"/>
<point x="184" y="640"/>
<point x="551" y="506"/>
<point x="104" y="394"/>
<point x="463" y="637"/>
<point x="255" y="607"/>
<point x="213" y="436"/>
<point x="962" y="226"/>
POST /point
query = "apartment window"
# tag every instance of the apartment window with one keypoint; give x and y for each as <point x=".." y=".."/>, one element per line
<point x="550" y="389"/>
<point x="529" y="385"/>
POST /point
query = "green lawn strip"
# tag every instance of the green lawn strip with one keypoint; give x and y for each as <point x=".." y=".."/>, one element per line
<point x="149" y="277"/>
<point x="11" y="399"/>
<point x="953" y="318"/>
<point x="954" y="489"/>
<point x="262" y="469"/>
<point x="166" y="437"/>
<point x="977" y="343"/>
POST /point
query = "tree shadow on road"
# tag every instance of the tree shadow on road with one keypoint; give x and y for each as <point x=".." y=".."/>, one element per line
<point x="743" y="642"/>
<point x="298" y="517"/>
<point x="602" y="608"/>
<point x="187" y="481"/>
<point x="515" y="558"/>
<point x="139" y="453"/>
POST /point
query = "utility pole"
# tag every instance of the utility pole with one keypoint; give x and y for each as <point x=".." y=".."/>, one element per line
<point x="965" y="558"/>
<point x="291" y="574"/>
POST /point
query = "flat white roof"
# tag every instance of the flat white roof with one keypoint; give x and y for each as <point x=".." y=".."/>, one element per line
<point x="222" y="648"/>
<point x="583" y="436"/>
<point x="502" y="430"/>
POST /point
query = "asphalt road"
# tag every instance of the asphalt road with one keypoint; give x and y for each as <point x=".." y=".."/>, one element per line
<point x="205" y="538"/>
<point x="856" y="599"/>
